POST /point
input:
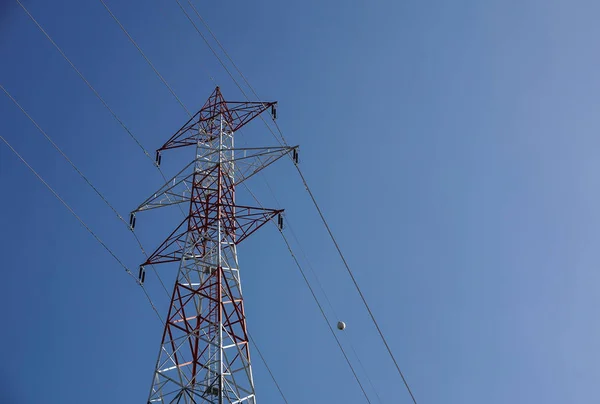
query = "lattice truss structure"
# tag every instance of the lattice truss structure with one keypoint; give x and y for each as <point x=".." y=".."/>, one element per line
<point x="205" y="355"/>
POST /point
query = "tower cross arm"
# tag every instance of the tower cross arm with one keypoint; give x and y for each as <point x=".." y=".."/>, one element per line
<point x="202" y="127"/>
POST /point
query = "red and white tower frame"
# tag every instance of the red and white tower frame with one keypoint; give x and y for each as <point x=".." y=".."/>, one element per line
<point x="204" y="354"/>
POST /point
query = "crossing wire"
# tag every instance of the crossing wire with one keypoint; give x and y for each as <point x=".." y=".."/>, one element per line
<point x="246" y="96"/>
<point x="43" y="132"/>
<point x="126" y="129"/>
<point x="127" y="270"/>
<point x="97" y="94"/>
<point x="312" y="292"/>
<point x="118" y="215"/>
<point x="310" y="267"/>
<point x="320" y="285"/>
<point x="155" y="163"/>
<point x="188" y="112"/>
<point x="87" y="82"/>
<point x="312" y="197"/>
<point x="147" y="59"/>
<point x="267" y="366"/>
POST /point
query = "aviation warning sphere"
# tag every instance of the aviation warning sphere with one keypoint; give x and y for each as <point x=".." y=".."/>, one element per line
<point x="341" y="325"/>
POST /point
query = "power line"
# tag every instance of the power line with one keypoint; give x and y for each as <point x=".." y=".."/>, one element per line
<point x="364" y="300"/>
<point x="132" y="136"/>
<point x="312" y="292"/>
<point x="270" y="129"/>
<point x="102" y="100"/>
<point x="120" y="218"/>
<point x="86" y="82"/>
<point x="310" y="267"/>
<point x="145" y="57"/>
<point x="82" y="176"/>
<point x="267" y="366"/>
<point x="154" y="163"/>
<point x="188" y="112"/>
<point x="127" y="270"/>
<point x="305" y="183"/>
<point x="166" y="84"/>
<point x="323" y="314"/>
<point x="211" y="48"/>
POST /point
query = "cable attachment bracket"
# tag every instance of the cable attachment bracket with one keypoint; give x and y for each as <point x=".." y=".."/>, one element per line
<point x="274" y="111"/>
<point x="132" y="221"/>
<point x="142" y="275"/>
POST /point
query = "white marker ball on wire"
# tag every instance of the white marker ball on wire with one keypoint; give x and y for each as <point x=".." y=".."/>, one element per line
<point x="341" y="325"/>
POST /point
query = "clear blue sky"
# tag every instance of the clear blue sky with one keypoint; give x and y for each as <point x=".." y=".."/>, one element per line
<point x="452" y="145"/>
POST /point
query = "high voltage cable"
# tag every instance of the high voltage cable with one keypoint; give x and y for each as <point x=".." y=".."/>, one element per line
<point x="121" y="262"/>
<point x="133" y="137"/>
<point x="82" y="176"/>
<point x="305" y="183"/>
<point x="246" y="96"/>
<point x="188" y="112"/>
<point x="86" y="82"/>
<point x="145" y="57"/>
<point x="154" y="163"/>
<point x="211" y="48"/>
<point x="116" y="213"/>
<point x="310" y="267"/>
<point x="267" y="366"/>
<point x="127" y="270"/>
<point x="312" y="292"/>
<point x="323" y="313"/>
<point x="125" y="127"/>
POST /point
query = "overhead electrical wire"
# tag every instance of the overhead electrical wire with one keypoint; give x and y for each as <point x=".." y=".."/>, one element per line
<point x="82" y="176"/>
<point x="267" y="366"/>
<point x="87" y="82"/>
<point x="117" y="214"/>
<point x="323" y="314"/>
<point x="312" y="292"/>
<point x="312" y="197"/>
<point x="310" y="267"/>
<point x="185" y="108"/>
<point x="127" y="270"/>
<point x="128" y="131"/>
<point x="125" y="127"/>
<point x="320" y="285"/>
<point x="115" y="116"/>
<point x="188" y="112"/>
<point x="147" y="59"/>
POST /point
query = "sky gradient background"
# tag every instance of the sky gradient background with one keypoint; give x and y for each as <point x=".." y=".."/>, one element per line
<point x="453" y="146"/>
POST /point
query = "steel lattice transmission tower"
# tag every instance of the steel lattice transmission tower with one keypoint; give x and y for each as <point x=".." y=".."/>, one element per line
<point x="205" y="355"/>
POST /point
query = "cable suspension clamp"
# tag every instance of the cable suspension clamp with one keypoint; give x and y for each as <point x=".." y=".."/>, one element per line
<point x="142" y="275"/>
<point x="274" y="111"/>
<point x="132" y="221"/>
